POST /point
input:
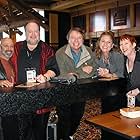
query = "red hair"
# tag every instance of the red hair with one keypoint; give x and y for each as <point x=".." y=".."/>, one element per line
<point x="128" y="37"/>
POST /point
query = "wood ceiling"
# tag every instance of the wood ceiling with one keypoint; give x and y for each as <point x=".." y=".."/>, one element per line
<point x="15" y="13"/>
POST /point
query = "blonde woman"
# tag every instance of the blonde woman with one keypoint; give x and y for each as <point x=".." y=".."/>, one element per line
<point x="110" y="64"/>
<point x="109" y="61"/>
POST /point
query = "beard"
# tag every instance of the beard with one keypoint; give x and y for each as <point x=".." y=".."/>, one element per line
<point x="33" y="42"/>
<point x="7" y="54"/>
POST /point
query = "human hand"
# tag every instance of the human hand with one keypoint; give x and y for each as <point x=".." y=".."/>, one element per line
<point x="103" y="72"/>
<point x="87" y="69"/>
<point x="6" y="83"/>
<point x="41" y="79"/>
<point x="133" y="92"/>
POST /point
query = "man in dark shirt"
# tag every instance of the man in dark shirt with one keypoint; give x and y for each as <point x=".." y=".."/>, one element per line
<point x="34" y="55"/>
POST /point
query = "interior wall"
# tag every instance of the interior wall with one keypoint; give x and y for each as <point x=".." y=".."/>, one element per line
<point x="59" y="25"/>
<point x="129" y="23"/>
<point x="64" y="25"/>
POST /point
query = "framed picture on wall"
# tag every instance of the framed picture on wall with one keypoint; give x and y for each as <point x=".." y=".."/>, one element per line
<point x="120" y="16"/>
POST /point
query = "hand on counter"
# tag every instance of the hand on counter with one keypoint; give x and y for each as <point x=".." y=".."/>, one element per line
<point x="6" y="83"/>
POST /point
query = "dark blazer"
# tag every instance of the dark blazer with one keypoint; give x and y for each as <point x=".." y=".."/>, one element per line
<point x="2" y="72"/>
<point x="47" y="60"/>
<point x="134" y="78"/>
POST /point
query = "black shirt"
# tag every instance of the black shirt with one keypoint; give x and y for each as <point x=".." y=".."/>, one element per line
<point x="28" y="59"/>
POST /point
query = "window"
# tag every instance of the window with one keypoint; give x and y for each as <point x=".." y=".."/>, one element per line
<point x="97" y="21"/>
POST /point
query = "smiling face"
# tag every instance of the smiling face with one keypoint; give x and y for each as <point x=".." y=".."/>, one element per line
<point x="127" y="46"/>
<point x="75" y="40"/>
<point x="32" y="34"/>
<point x="7" y="48"/>
<point x="106" y="43"/>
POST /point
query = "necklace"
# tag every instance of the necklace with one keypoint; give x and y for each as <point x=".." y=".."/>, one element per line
<point x="106" y="60"/>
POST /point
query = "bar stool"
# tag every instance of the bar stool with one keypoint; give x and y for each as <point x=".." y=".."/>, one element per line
<point x="52" y="126"/>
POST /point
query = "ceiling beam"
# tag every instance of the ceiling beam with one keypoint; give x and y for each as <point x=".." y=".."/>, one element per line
<point x="62" y="5"/>
<point x="3" y="2"/>
<point x="13" y="24"/>
<point x="29" y="12"/>
<point x="99" y="5"/>
<point x="3" y="11"/>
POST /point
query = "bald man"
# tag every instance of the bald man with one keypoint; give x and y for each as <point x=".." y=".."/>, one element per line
<point x="9" y="123"/>
<point x="6" y="70"/>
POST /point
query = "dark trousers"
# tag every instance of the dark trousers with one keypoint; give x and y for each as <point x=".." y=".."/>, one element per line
<point x="69" y="117"/>
<point x="25" y="127"/>
<point x="33" y="126"/>
<point x="10" y="127"/>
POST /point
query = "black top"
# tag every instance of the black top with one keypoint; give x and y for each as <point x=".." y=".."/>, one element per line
<point x="28" y="59"/>
<point x="133" y="78"/>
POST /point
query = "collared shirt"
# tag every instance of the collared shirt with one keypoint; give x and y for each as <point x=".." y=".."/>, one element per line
<point x="76" y="56"/>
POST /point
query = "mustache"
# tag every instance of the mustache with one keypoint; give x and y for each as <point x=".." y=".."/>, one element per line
<point x="33" y="42"/>
<point x="7" y="53"/>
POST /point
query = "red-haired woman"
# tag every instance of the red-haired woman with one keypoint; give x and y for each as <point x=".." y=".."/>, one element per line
<point x="132" y="65"/>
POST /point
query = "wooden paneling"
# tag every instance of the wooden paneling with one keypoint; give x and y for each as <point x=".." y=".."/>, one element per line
<point x="137" y="15"/>
<point x="53" y="26"/>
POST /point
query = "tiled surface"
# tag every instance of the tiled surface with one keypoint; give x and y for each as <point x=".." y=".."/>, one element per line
<point x="86" y="131"/>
